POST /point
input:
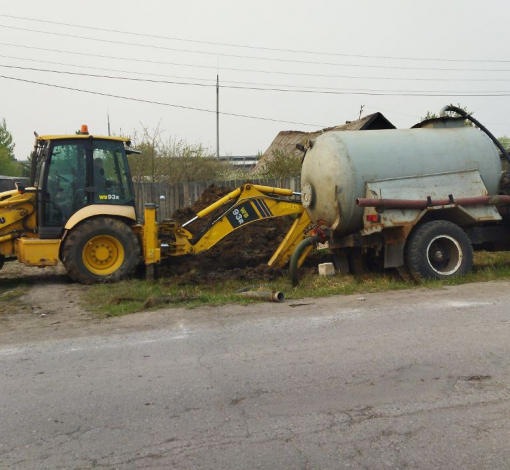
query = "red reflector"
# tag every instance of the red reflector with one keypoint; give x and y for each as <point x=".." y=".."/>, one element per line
<point x="373" y="218"/>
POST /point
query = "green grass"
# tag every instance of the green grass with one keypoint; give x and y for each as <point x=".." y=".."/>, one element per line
<point x="137" y="295"/>
<point x="9" y="292"/>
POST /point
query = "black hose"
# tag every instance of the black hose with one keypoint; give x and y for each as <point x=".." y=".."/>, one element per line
<point x="465" y="115"/>
<point x="294" y="260"/>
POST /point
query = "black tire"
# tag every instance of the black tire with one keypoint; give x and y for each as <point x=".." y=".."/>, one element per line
<point x="1" y="262"/>
<point x="438" y="250"/>
<point x="79" y="255"/>
<point x="363" y="263"/>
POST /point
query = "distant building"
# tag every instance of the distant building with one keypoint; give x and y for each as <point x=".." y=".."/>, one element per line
<point x="286" y="141"/>
<point x="247" y="162"/>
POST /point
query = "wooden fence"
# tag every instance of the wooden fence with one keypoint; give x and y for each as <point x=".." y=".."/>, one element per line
<point x="183" y="195"/>
<point x="7" y="182"/>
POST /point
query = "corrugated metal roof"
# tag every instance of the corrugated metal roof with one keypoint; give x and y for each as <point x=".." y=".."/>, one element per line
<point x="286" y="141"/>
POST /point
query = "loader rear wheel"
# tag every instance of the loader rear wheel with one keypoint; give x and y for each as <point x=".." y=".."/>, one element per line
<point x="100" y="250"/>
<point x="439" y="250"/>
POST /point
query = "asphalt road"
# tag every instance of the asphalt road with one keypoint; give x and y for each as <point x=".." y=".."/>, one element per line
<point x="402" y="380"/>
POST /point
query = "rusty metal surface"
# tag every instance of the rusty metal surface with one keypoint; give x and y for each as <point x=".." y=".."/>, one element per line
<point x="422" y="204"/>
<point x="465" y="187"/>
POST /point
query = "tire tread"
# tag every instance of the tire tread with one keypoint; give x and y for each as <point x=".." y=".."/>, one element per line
<point x="71" y="251"/>
<point x="414" y="248"/>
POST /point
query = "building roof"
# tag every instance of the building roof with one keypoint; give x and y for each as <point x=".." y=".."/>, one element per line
<point x="286" y="141"/>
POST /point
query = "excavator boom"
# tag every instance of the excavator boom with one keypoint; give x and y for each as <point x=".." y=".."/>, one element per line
<point x="244" y="206"/>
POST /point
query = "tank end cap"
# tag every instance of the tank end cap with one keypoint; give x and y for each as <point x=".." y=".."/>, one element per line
<point x="307" y="195"/>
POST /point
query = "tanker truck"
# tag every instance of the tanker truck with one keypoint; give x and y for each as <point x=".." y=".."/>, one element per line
<point x="420" y="200"/>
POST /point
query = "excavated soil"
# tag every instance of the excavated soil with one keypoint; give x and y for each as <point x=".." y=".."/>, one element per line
<point x="241" y="255"/>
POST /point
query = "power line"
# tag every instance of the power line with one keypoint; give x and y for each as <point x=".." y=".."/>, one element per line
<point x="370" y="92"/>
<point x="212" y="81"/>
<point x="66" y="64"/>
<point x="160" y="103"/>
<point x="63" y="72"/>
<point x="246" y="46"/>
<point x="301" y="74"/>
<point x="271" y="59"/>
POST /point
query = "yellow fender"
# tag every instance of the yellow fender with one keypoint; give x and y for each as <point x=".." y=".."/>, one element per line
<point x="127" y="212"/>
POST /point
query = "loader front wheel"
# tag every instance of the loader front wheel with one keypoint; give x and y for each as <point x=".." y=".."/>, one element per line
<point x="100" y="250"/>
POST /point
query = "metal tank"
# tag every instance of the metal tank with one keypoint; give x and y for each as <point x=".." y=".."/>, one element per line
<point x="340" y="163"/>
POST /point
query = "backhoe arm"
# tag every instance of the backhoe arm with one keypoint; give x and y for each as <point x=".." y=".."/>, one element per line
<point x="249" y="204"/>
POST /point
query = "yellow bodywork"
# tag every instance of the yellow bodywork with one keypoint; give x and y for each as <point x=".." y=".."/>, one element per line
<point x="18" y="238"/>
<point x="151" y="248"/>
<point x="17" y="215"/>
<point x="295" y="235"/>
<point x="127" y="212"/>
<point x="37" y="252"/>
<point x="81" y="136"/>
<point x="249" y="204"/>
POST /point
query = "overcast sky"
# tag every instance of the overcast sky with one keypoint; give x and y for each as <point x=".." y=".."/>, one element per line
<point x="342" y="46"/>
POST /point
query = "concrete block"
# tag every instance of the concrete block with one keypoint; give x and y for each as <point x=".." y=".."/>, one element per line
<point x="326" y="269"/>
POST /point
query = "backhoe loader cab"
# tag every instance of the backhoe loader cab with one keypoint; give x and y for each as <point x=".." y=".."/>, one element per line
<point x="75" y="172"/>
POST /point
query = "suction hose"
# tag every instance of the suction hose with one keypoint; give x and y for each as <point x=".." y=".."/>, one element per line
<point x="465" y="115"/>
<point x="294" y="260"/>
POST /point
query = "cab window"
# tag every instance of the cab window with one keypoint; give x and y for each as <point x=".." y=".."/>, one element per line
<point x="110" y="178"/>
<point x="65" y="188"/>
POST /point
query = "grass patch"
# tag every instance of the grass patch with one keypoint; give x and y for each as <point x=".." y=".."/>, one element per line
<point x="8" y="293"/>
<point x="137" y="295"/>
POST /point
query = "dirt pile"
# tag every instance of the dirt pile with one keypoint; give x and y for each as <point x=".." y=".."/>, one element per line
<point x="243" y="254"/>
<point x="208" y="197"/>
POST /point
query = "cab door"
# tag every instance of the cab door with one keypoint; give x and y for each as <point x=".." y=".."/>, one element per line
<point x="64" y="186"/>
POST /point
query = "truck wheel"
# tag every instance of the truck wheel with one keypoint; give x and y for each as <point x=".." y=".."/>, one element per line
<point x="100" y="250"/>
<point x="439" y="250"/>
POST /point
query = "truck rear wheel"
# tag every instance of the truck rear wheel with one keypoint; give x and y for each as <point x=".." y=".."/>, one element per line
<point x="438" y="250"/>
<point x="100" y="250"/>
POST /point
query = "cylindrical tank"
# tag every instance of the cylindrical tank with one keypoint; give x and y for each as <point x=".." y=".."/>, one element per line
<point x="340" y="163"/>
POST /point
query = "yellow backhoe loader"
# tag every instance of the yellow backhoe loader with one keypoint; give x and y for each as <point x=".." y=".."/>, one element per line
<point x="79" y="208"/>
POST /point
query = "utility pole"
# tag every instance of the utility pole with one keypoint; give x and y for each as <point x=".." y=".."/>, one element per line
<point x="108" y="116"/>
<point x="361" y="111"/>
<point x="217" y="117"/>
